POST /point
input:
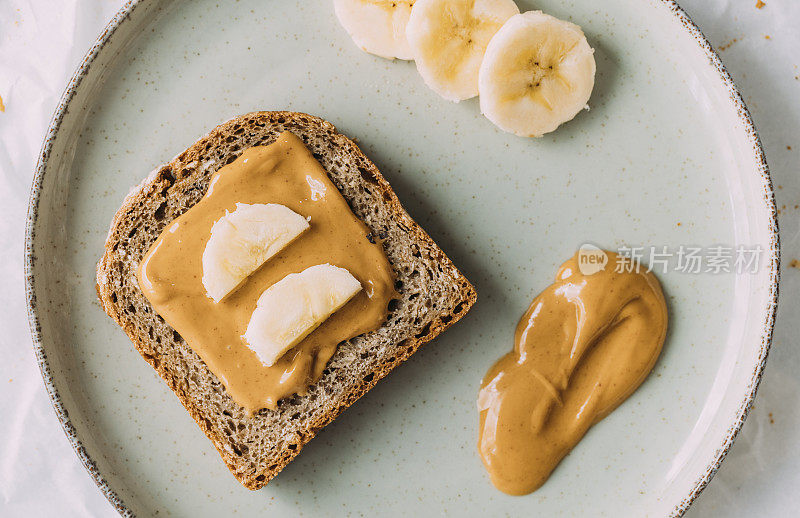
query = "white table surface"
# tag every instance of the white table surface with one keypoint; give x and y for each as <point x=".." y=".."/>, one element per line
<point x="41" y="44"/>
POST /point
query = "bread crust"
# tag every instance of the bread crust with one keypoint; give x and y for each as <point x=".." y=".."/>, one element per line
<point x="163" y="178"/>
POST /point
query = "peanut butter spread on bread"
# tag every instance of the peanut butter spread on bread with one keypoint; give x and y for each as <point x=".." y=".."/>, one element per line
<point x="170" y="274"/>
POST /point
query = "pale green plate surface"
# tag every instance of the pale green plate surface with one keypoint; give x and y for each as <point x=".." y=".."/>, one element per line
<point x="664" y="157"/>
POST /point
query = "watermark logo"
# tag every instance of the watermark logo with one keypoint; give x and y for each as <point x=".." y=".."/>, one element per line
<point x="714" y="259"/>
<point x="591" y="259"/>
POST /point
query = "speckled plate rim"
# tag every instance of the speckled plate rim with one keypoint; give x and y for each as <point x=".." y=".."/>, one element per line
<point x="124" y="13"/>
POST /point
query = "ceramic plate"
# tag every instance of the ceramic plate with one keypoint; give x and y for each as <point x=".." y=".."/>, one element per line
<point x="667" y="156"/>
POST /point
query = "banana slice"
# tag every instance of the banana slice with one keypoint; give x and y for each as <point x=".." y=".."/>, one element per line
<point x="449" y="38"/>
<point x="294" y="306"/>
<point x="538" y="72"/>
<point x="377" y="26"/>
<point x="243" y="240"/>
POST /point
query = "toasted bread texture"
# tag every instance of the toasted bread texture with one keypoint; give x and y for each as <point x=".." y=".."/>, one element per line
<point x="433" y="294"/>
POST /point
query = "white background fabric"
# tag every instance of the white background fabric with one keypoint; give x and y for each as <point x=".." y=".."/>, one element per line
<point x="41" y="44"/>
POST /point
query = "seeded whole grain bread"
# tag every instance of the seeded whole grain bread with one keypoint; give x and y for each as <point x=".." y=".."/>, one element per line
<point x="433" y="294"/>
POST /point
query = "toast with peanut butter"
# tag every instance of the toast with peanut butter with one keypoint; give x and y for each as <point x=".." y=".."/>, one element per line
<point x="428" y="293"/>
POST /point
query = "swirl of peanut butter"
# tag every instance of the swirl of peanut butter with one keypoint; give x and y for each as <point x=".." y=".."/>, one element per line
<point x="584" y="345"/>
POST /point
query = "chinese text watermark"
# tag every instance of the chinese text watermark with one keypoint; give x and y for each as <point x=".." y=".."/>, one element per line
<point x="715" y="259"/>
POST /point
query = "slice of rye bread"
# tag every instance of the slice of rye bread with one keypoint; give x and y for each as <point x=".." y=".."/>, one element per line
<point x="433" y="294"/>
